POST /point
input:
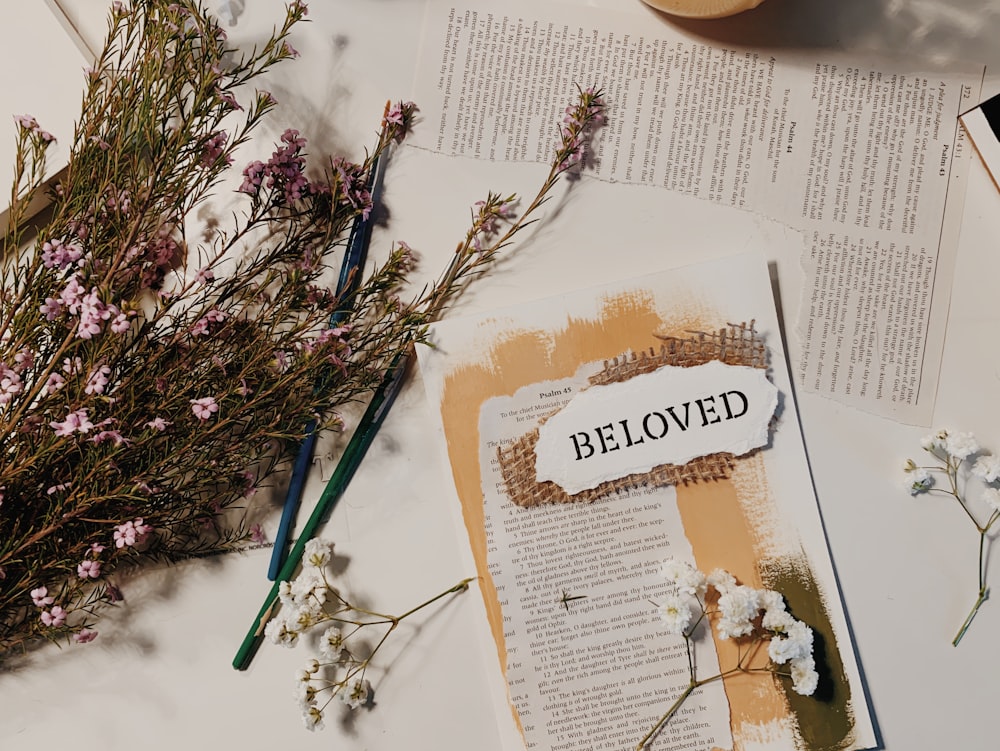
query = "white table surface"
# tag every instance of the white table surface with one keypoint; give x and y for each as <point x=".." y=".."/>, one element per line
<point x="159" y="676"/>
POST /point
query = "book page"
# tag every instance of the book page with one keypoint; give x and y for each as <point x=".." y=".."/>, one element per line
<point x="586" y="656"/>
<point x="570" y="589"/>
<point x="867" y="159"/>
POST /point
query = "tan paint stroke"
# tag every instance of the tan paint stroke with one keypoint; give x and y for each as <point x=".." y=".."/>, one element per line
<point x="520" y="359"/>
<point x="713" y="519"/>
<point x="716" y="526"/>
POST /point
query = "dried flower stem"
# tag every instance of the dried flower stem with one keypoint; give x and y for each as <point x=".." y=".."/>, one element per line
<point x="951" y="471"/>
<point x="756" y="620"/>
<point x="952" y="450"/>
<point x="152" y="377"/>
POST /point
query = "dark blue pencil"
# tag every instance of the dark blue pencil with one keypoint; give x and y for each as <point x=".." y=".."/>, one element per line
<point x="350" y="276"/>
<point x="362" y="439"/>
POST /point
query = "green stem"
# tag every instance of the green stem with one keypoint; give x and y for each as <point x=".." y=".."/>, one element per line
<point x="983" y="593"/>
<point x="968" y="621"/>
<point x="394" y="619"/>
<point x="667" y="715"/>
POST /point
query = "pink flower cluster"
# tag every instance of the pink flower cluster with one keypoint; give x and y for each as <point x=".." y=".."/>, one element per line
<point x="90" y="568"/>
<point x="87" y="306"/>
<point x="76" y="421"/>
<point x="204" y="407"/>
<point x="283" y="172"/>
<point x="131" y="532"/>
<point x="352" y="187"/>
<point x="335" y="341"/>
<point x="201" y="326"/>
<point x="108" y="435"/>
<point x="573" y="130"/>
<point x="397" y="118"/>
<point x="54" y="616"/>
<point x="10" y="384"/>
<point x="59" y="254"/>
<point x="97" y="380"/>
<point x="31" y="124"/>
<point x="214" y="148"/>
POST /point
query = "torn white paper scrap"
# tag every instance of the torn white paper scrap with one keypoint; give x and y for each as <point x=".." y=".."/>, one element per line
<point x="670" y="416"/>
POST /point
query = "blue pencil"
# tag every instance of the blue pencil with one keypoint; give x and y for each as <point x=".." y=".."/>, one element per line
<point x="350" y="276"/>
<point x="362" y="439"/>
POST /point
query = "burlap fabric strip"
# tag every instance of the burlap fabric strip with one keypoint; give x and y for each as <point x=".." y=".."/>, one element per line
<point x="736" y="344"/>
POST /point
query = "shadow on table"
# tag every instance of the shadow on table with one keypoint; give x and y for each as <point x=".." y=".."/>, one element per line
<point x="940" y="32"/>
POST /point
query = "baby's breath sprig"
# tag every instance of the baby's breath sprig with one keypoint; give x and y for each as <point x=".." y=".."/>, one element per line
<point x="757" y="620"/>
<point x="311" y="602"/>
<point x="957" y="455"/>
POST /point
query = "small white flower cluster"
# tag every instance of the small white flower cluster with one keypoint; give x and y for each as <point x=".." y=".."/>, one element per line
<point x="953" y="448"/>
<point x="959" y="456"/>
<point x="303" y="598"/>
<point x="304" y="605"/>
<point x="956" y="445"/>
<point x="741" y="611"/>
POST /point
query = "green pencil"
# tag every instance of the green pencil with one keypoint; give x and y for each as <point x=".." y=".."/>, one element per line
<point x="362" y="439"/>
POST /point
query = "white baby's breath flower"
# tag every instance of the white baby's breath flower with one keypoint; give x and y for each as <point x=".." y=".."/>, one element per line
<point x="777" y="621"/>
<point x="727" y="628"/>
<point x="805" y="679"/>
<point x="279" y="631"/>
<point x="935" y="440"/>
<point x="740" y="603"/>
<point x="796" y="644"/>
<point x="331" y="644"/>
<point x="675" y="613"/>
<point x="285" y="593"/>
<point x="992" y="498"/>
<point x="987" y="468"/>
<point x="684" y="576"/>
<point x="961" y="445"/>
<point x="722" y="580"/>
<point x="305" y="617"/>
<point x="771" y="600"/>
<point x="317" y="553"/>
<point x="304" y="695"/>
<point x="916" y="479"/>
<point x="355" y="694"/>
<point x="313" y="718"/>
<point x="738" y="607"/>
<point x="306" y="674"/>
<point x="309" y="589"/>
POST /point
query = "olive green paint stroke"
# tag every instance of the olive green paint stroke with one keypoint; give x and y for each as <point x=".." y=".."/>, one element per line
<point x="826" y="719"/>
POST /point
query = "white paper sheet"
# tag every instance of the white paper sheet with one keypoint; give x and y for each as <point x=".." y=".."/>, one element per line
<point x="569" y="588"/>
<point x="865" y="157"/>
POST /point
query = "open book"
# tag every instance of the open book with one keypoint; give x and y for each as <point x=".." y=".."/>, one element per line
<point x="569" y="553"/>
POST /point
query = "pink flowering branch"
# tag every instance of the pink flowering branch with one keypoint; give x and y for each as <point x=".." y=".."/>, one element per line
<point x="150" y="381"/>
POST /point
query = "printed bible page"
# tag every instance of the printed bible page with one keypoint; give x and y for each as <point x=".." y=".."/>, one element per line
<point x="864" y="157"/>
<point x="571" y="583"/>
